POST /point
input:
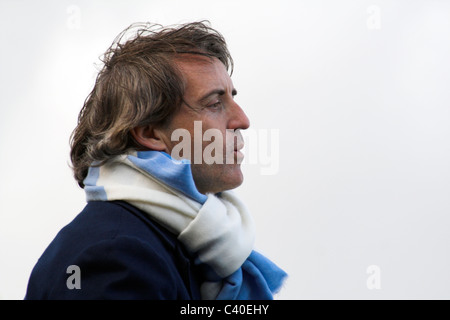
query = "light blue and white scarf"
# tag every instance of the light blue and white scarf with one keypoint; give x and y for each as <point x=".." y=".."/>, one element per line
<point x="215" y="228"/>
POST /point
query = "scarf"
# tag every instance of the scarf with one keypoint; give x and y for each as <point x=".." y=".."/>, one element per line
<point x="216" y="229"/>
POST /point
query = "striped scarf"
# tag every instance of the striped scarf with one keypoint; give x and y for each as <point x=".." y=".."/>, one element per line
<point x="216" y="229"/>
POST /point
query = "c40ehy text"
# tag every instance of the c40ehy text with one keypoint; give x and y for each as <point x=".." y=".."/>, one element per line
<point x="228" y="309"/>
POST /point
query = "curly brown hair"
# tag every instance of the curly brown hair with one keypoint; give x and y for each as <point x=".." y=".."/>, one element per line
<point x="139" y="85"/>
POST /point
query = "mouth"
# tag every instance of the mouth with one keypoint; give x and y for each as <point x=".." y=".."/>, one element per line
<point x="239" y="156"/>
<point x="239" y="146"/>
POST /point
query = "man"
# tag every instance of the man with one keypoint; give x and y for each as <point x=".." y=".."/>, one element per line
<point x="160" y="222"/>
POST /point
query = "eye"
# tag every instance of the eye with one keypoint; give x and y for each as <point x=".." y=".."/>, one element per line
<point x="216" y="105"/>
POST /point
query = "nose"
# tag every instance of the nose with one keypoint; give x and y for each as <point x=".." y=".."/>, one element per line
<point x="238" y="118"/>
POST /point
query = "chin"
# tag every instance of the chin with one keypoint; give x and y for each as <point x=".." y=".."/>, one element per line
<point x="217" y="179"/>
<point x="233" y="179"/>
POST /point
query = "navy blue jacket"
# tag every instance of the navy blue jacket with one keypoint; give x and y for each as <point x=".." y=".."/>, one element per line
<point x="121" y="254"/>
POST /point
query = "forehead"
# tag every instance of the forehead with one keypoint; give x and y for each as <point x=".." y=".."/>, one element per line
<point x="203" y="73"/>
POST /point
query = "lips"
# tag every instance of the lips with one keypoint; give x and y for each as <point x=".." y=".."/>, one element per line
<point x="239" y="146"/>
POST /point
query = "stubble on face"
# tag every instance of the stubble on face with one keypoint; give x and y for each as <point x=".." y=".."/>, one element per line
<point x="209" y="98"/>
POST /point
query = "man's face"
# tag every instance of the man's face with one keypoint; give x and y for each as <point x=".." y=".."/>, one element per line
<point x="209" y="98"/>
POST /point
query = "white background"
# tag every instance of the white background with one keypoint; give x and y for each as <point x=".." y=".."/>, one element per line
<point x="359" y="92"/>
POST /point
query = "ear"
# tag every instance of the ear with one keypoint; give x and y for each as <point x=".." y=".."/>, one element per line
<point x="150" y="137"/>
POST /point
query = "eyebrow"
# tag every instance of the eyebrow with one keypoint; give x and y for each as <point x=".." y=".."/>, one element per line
<point x="219" y="92"/>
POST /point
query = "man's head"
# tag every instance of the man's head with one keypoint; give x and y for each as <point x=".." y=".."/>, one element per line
<point x="160" y="81"/>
